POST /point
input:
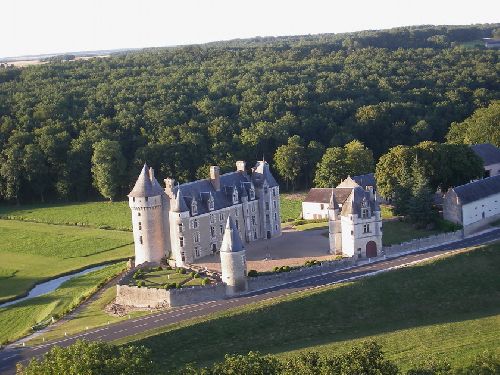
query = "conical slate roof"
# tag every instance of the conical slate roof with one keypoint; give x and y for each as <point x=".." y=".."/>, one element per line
<point x="231" y="242"/>
<point x="144" y="187"/>
<point x="333" y="202"/>
<point x="179" y="204"/>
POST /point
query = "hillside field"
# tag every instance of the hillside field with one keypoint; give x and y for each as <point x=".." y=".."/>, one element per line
<point x="17" y="320"/>
<point x="33" y="252"/>
<point x="448" y="309"/>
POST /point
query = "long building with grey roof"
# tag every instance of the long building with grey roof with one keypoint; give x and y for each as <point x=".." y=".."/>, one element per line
<point x="473" y="205"/>
<point x="490" y="155"/>
<point x="195" y="213"/>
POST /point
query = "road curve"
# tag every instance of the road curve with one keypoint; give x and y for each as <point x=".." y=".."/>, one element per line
<point x="10" y="356"/>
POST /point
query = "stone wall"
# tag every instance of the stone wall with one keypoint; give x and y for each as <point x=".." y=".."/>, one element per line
<point x="480" y="225"/>
<point x="423" y="243"/>
<point x="153" y="298"/>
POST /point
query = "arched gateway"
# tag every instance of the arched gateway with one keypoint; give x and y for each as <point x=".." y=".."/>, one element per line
<point x="371" y="249"/>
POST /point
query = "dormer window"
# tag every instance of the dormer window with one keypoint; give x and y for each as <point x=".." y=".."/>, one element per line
<point x="252" y="193"/>
<point x="365" y="213"/>
<point x="194" y="208"/>
<point x="211" y="203"/>
<point x="235" y="196"/>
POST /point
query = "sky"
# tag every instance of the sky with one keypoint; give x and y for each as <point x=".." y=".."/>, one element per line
<point x="31" y="27"/>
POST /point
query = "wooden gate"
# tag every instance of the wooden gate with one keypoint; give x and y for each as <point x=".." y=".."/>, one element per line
<point x="371" y="249"/>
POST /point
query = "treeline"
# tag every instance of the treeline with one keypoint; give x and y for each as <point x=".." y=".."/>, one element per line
<point x="182" y="109"/>
<point x="99" y="358"/>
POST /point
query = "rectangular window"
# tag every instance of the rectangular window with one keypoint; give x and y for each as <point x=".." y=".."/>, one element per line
<point x="267" y="206"/>
<point x="212" y="231"/>
<point x="221" y="217"/>
<point x="140" y="240"/>
<point x="196" y="237"/>
<point x="133" y="199"/>
<point x="274" y="204"/>
<point x="212" y="218"/>
<point x="268" y="220"/>
<point x="181" y="241"/>
<point x="254" y="222"/>
<point x="195" y="223"/>
<point x="366" y="228"/>
<point x="197" y="251"/>
<point x="222" y="229"/>
<point x="180" y="227"/>
<point x="146" y="199"/>
<point x="138" y="214"/>
<point x="140" y="225"/>
<point x="237" y="224"/>
<point x="265" y="190"/>
<point x="254" y="234"/>
<point x="183" y="256"/>
<point x="275" y="216"/>
<point x="236" y="213"/>
<point x="253" y="208"/>
<point x="274" y="192"/>
<point x="364" y="213"/>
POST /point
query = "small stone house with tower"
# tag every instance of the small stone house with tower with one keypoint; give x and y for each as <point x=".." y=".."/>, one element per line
<point x="187" y="221"/>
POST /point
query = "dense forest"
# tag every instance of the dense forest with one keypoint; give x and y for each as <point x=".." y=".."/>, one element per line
<point x="181" y="109"/>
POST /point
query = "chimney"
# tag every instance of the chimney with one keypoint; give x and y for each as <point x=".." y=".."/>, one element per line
<point x="241" y="166"/>
<point x="215" y="177"/>
<point x="151" y="174"/>
<point x="169" y="187"/>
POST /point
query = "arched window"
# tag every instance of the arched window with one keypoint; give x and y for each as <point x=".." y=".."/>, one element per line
<point x="194" y="207"/>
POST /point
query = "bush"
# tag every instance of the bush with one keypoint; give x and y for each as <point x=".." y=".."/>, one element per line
<point x="196" y="276"/>
<point x="253" y="273"/>
<point x="178" y="285"/>
<point x="192" y="274"/>
<point x="181" y="271"/>
<point x="170" y="286"/>
<point x="205" y="281"/>
<point x="310" y="263"/>
<point x="139" y="274"/>
<point x="92" y="358"/>
<point x="140" y="283"/>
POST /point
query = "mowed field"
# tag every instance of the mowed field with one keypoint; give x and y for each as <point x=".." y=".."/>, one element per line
<point x="33" y="252"/>
<point x="447" y="309"/>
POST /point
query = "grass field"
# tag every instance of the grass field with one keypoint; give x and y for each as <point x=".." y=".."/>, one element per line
<point x="107" y="215"/>
<point x="17" y="320"/>
<point x="33" y="252"/>
<point x="396" y="232"/>
<point x="291" y="206"/>
<point x="91" y="316"/>
<point x="448" y="308"/>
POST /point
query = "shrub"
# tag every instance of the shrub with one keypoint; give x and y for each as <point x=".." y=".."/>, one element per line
<point x="205" y="281"/>
<point x="177" y="285"/>
<point x="140" y="283"/>
<point x="253" y="273"/>
<point x="196" y="276"/>
<point x="192" y="274"/>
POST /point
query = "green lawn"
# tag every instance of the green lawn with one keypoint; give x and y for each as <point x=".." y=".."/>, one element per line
<point x="396" y="232"/>
<point x="449" y="308"/>
<point x="91" y="316"/>
<point x="156" y="279"/>
<point x="33" y="252"/>
<point x="291" y="206"/>
<point x="107" y="215"/>
<point x="17" y="320"/>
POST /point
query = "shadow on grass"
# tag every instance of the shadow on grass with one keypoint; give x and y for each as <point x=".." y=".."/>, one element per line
<point x="453" y="289"/>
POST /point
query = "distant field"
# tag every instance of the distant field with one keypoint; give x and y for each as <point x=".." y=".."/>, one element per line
<point x="17" y="320"/>
<point x="291" y="206"/>
<point x="32" y="252"/>
<point x="448" y="309"/>
<point x="108" y="215"/>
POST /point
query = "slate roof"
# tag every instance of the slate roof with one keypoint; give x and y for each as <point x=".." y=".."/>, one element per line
<point x="354" y="202"/>
<point x="365" y="180"/>
<point x="488" y="152"/>
<point x="261" y="172"/>
<point x="323" y="195"/>
<point x="479" y="189"/>
<point x="231" y="242"/>
<point x="146" y="185"/>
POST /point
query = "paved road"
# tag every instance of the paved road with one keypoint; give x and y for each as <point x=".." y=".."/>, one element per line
<point x="10" y="356"/>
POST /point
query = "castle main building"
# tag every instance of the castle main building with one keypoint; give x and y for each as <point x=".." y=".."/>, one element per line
<point x="185" y="222"/>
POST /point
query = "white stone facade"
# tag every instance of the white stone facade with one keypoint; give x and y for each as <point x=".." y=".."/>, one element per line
<point x="186" y="222"/>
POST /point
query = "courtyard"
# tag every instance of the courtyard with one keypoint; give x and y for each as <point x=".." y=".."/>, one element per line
<point x="292" y="248"/>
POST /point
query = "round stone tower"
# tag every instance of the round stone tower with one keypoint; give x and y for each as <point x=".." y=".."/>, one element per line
<point x="145" y="201"/>
<point x="233" y="260"/>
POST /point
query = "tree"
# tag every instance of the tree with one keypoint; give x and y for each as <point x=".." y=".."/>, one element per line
<point x="92" y="358"/>
<point x="481" y="127"/>
<point x="36" y="170"/>
<point x="421" y="200"/>
<point x="108" y="168"/>
<point x="359" y="158"/>
<point x="332" y="168"/>
<point x="290" y="159"/>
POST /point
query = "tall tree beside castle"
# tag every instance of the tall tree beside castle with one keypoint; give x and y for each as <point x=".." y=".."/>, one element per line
<point x="290" y="160"/>
<point x="108" y="168"/>
<point x="339" y="162"/>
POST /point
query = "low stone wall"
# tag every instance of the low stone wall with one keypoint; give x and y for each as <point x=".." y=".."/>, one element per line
<point x="268" y="281"/>
<point x="154" y="298"/>
<point x="423" y="243"/>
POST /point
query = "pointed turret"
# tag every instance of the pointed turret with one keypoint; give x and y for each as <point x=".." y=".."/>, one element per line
<point x="333" y="202"/>
<point x="233" y="260"/>
<point x="231" y="242"/>
<point x="179" y="205"/>
<point x="143" y="186"/>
